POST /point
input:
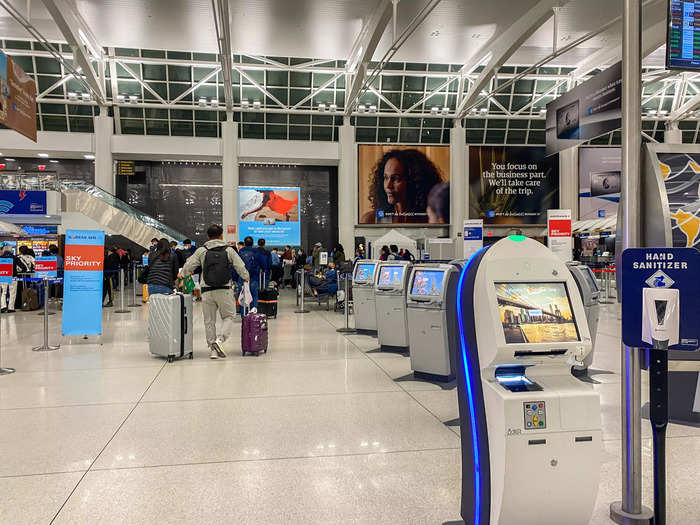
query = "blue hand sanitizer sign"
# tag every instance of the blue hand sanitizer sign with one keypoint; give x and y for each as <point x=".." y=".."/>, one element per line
<point x="677" y="268"/>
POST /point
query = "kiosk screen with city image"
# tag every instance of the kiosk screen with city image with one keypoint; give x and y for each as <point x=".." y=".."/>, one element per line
<point x="364" y="272"/>
<point x="390" y="276"/>
<point x="427" y="282"/>
<point x="536" y="313"/>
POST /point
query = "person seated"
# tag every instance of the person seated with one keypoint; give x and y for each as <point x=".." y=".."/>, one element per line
<point x="324" y="283"/>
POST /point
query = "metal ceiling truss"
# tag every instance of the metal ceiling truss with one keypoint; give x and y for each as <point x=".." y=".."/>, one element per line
<point x="223" y="37"/>
<point x="83" y="43"/>
<point x="503" y="47"/>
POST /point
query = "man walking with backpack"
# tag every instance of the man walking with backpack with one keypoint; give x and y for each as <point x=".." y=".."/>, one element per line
<point x="218" y="261"/>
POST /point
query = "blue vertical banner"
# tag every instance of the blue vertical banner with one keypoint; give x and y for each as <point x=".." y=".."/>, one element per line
<point x="82" y="286"/>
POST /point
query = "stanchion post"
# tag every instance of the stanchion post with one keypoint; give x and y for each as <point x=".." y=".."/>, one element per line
<point x="122" y="308"/>
<point x="4" y="370"/>
<point x="134" y="302"/>
<point x="46" y="347"/>
<point x="301" y="309"/>
<point x="346" y="308"/>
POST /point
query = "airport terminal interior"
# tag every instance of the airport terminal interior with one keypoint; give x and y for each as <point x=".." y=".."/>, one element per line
<point x="349" y="261"/>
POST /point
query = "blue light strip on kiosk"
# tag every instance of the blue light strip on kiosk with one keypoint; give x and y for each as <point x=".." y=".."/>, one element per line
<point x="470" y="395"/>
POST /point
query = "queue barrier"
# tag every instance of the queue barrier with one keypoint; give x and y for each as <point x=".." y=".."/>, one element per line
<point x="607" y="275"/>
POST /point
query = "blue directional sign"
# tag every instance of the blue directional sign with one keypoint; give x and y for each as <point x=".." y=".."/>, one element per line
<point x="677" y="268"/>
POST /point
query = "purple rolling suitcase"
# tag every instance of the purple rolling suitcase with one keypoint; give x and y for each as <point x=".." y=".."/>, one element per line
<point x="254" y="334"/>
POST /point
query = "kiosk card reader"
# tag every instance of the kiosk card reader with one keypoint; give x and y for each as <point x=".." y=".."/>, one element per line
<point x="427" y="303"/>
<point x="363" y="295"/>
<point x="391" y="278"/>
<point x="530" y="430"/>
<point x="590" y="295"/>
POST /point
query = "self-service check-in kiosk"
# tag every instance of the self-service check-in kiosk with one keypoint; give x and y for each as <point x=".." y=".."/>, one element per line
<point x="530" y="430"/>
<point x="427" y="303"/>
<point x="391" y="278"/>
<point x="590" y="295"/>
<point x="363" y="295"/>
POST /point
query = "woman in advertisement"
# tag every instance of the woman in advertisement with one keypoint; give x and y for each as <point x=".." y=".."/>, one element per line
<point x="399" y="188"/>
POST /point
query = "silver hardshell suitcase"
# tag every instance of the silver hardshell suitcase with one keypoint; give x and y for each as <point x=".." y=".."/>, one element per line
<point x="170" y="325"/>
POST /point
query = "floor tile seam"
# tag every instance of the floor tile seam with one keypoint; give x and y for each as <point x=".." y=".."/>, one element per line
<point x="97" y="457"/>
<point x="60" y="370"/>
<point x="683" y="436"/>
<point x="283" y="458"/>
<point x="222" y="362"/>
<point x="48" y="407"/>
<point x="36" y="474"/>
<point x="274" y="396"/>
<point x="426" y="408"/>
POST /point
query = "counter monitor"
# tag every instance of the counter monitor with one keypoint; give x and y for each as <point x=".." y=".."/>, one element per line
<point x="427" y="282"/>
<point x="391" y="276"/>
<point x="364" y="272"/>
<point x="536" y="312"/>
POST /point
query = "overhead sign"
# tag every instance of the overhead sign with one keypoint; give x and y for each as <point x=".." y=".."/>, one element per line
<point x="559" y="233"/>
<point x="586" y="112"/>
<point x="6" y="270"/>
<point x="674" y="268"/>
<point x="473" y="236"/>
<point x="82" y="290"/>
<point x="125" y="168"/>
<point x="17" y="98"/>
<point x="46" y="266"/>
<point x="22" y="202"/>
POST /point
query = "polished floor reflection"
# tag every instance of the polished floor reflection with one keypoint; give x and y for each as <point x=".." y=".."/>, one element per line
<point x="321" y="429"/>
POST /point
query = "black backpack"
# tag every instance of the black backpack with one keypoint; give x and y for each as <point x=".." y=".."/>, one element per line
<point x="217" y="268"/>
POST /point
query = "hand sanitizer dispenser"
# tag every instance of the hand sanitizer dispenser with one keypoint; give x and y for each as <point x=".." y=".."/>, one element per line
<point x="660" y="312"/>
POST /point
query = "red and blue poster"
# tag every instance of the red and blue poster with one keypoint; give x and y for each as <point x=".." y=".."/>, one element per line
<point x="6" y="269"/>
<point x="46" y="266"/>
<point x="82" y="282"/>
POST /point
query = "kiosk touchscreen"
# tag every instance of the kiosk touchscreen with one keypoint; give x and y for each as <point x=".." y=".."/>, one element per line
<point x="363" y="295"/>
<point x="390" y="296"/>
<point x="530" y="430"/>
<point x="590" y="295"/>
<point x="427" y="320"/>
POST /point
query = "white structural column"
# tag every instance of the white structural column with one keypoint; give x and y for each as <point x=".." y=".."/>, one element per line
<point x="104" y="165"/>
<point x="459" y="188"/>
<point x="229" y="179"/>
<point x="346" y="188"/>
<point x="568" y="181"/>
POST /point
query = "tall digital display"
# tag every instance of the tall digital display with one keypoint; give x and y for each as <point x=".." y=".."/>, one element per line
<point x="512" y="184"/>
<point x="600" y="181"/>
<point x="683" y="35"/>
<point x="17" y="98"/>
<point x="270" y="213"/>
<point x="536" y="313"/>
<point x="403" y="184"/>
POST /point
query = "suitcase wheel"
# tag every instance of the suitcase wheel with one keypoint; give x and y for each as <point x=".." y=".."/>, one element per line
<point x="243" y="353"/>
<point x="191" y="356"/>
<point x="171" y="358"/>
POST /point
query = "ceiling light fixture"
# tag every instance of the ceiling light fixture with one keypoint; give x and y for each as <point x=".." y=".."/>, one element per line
<point x="434" y="110"/>
<point x="215" y="103"/>
<point x="120" y="98"/>
<point x="89" y="156"/>
<point x="322" y="106"/>
<point x="372" y="108"/>
<point x="445" y="110"/>
<point x="42" y="155"/>
<point x="86" y="97"/>
<point x="72" y="96"/>
<point x="256" y="104"/>
<point x="652" y="112"/>
<point x="133" y="99"/>
<point x="53" y="161"/>
<point x="333" y="107"/>
<point x="361" y="108"/>
<point x="483" y="111"/>
<point x="202" y="102"/>
<point x="663" y="112"/>
<point x="245" y="103"/>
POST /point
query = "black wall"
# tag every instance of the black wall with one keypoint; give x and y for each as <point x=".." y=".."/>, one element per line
<point x="187" y="196"/>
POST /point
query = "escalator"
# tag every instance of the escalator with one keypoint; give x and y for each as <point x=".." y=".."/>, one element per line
<point x="114" y="215"/>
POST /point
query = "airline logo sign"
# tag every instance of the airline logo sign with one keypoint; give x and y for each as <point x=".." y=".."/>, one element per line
<point x="675" y="268"/>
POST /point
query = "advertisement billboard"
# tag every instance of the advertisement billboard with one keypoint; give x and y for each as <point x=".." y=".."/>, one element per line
<point x="599" y="182"/>
<point x="512" y="184"/>
<point x="403" y="184"/>
<point x="22" y="202"/>
<point x="681" y="177"/>
<point x="17" y="98"/>
<point x="589" y="110"/>
<point x="270" y="213"/>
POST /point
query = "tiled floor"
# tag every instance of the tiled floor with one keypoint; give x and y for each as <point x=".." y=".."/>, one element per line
<point x="321" y="429"/>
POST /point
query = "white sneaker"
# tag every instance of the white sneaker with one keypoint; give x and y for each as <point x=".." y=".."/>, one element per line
<point x="213" y="354"/>
<point x="218" y="346"/>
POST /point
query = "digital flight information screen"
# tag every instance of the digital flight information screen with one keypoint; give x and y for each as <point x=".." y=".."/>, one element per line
<point x="683" y="38"/>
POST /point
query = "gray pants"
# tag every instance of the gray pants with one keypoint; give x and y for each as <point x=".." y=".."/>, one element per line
<point x="222" y="301"/>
